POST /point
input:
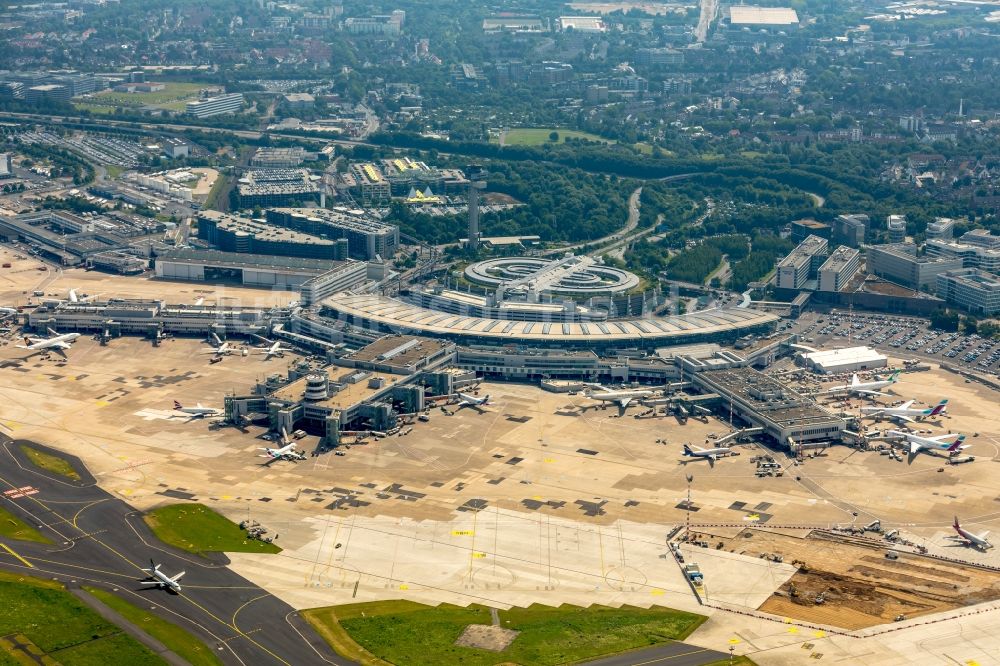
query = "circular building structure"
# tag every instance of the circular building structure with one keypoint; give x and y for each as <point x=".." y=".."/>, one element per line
<point x="578" y="277"/>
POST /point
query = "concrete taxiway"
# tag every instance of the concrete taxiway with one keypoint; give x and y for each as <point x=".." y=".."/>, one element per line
<point x="102" y="541"/>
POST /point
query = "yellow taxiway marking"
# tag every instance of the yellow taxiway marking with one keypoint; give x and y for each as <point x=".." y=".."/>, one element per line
<point x="462" y="532"/>
<point x="23" y="561"/>
<point x="656" y="592"/>
<point x="103" y="403"/>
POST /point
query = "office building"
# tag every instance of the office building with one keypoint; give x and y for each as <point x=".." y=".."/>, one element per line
<point x="232" y="233"/>
<point x="276" y="187"/>
<point x="216" y="106"/>
<point x="971" y="256"/>
<point x="49" y="92"/>
<point x="387" y="26"/>
<point x="369" y="183"/>
<point x="900" y="264"/>
<point x="299" y="101"/>
<point x="981" y="238"/>
<point x="895" y="229"/>
<point x="851" y="230"/>
<point x="942" y="227"/>
<point x="658" y="57"/>
<point x="795" y="269"/>
<point x="839" y="268"/>
<point x="801" y="229"/>
<point x="367" y="236"/>
<point x="175" y="148"/>
<point x="971" y="289"/>
<point x="6" y="167"/>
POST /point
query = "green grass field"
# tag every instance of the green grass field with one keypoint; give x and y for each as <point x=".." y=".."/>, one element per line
<point x="197" y="529"/>
<point x="173" y="97"/>
<point x="176" y="639"/>
<point x="537" y="136"/>
<point x="737" y="661"/>
<point x="62" y="627"/>
<point x="404" y="632"/>
<point x="50" y="463"/>
<point x="13" y="527"/>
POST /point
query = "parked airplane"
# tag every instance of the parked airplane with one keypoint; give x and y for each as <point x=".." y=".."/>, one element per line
<point x="75" y="298"/>
<point x="857" y="387"/>
<point x="274" y="348"/>
<point x="55" y="341"/>
<point x="936" y="443"/>
<point x="621" y="398"/>
<point x="8" y="311"/>
<point x="467" y="400"/>
<point x="162" y="580"/>
<point x="710" y="454"/>
<point x="905" y="413"/>
<point x="221" y="348"/>
<point x="198" y="411"/>
<point x="975" y="540"/>
<point x="285" y="452"/>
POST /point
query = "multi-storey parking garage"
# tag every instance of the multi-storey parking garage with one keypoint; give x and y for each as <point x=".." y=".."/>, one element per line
<point x="570" y="276"/>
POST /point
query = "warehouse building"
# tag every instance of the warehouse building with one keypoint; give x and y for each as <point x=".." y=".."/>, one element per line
<point x="900" y="264"/>
<point x="745" y="16"/>
<point x="971" y="289"/>
<point x="216" y="106"/>
<point x="233" y="233"/>
<point x="851" y="359"/>
<point x="315" y="279"/>
<point x="367" y="236"/>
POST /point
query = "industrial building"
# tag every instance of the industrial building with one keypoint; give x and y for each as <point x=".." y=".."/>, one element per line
<point x="233" y="233"/>
<point x="367" y="236"/>
<point x="971" y="289"/>
<point x="276" y="187"/>
<point x="839" y="268"/>
<point x="216" y="106"/>
<point x="851" y="359"/>
<point x="64" y="237"/>
<point x="900" y="264"/>
<point x="281" y="158"/>
<point x="800" y="265"/>
<point x="315" y="279"/>
<point x="590" y="24"/>
<point x="741" y="16"/>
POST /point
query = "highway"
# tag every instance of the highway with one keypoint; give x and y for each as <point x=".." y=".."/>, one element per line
<point x="101" y="541"/>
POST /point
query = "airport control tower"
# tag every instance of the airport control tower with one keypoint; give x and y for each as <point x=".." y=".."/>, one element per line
<point x="477" y="182"/>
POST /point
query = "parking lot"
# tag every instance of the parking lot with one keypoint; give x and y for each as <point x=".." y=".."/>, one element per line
<point x="902" y="337"/>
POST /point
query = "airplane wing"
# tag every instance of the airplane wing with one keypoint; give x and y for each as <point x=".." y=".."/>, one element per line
<point x="713" y="457"/>
<point x="866" y="392"/>
<point x="61" y="345"/>
<point x="914" y="447"/>
<point x="150" y="582"/>
<point x="624" y="402"/>
<point x="177" y="577"/>
<point x="209" y="351"/>
<point x="906" y="405"/>
<point x="941" y="438"/>
<point x="984" y="535"/>
<point x="903" y="417"/>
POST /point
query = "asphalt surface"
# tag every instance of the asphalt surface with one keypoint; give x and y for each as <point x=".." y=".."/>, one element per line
<point x="101" y="541"/>
<point x="669" y="654"/>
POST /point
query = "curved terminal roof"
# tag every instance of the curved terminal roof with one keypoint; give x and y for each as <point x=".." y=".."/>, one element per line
<point x="396" y="315"/>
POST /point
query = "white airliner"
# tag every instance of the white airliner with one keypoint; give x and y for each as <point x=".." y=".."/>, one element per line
<point x="59" y="343"/>
<point x="709" y="454"/>
<point x="936" y="443"/>
<point x="274" y="350"/>
<point x="975" y="540"/>
<point x="198" y="411"/>
<point x="621" y="398"/>
<point x="286" y="452"/>
<point x="467" y="400"/>
<point x="162" y="580"/>
<point x="857" y="387"/>
<point x="8" y="311"/>
<point x="75" y="298"/>
<point x="221" y="348"/>
<point x="905" y="412"/>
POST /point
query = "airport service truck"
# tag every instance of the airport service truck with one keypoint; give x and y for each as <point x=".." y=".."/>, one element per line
<point x="693" y="574"/>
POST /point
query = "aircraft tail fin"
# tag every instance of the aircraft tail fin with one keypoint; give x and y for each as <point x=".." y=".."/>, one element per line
<point x="178" y="405"/>
<point x="940" y="407"/>
<point x="854" y="380"/>
<point x="894" y="377"/>
<point x="956" y="525"/>
<point x="955" y="447"/>
<point x="687" y="450"/>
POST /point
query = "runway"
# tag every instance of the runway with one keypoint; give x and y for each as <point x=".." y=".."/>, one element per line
<point x="100" y="540"/>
